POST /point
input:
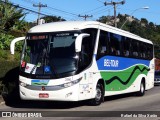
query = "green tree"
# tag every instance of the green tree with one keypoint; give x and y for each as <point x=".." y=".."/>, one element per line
<point x="20" y="28"/>
<point x="9" y="15"/>
<point x="151" y="24"/>
<point x="105" y="19"/>
<point x="11" y="24"/>
<point x="49" y="19"/>
<point x="144" y="20"/>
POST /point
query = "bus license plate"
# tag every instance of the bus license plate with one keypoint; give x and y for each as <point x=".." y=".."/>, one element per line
<point x="43" y="95"/>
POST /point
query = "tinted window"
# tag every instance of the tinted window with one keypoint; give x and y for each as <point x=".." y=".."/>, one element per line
<point x="142" y="50"/>
<point x="115" y="43"/>
<point x="126" y="46"/>
<point x="135" y="48"/>
<point x="103" y="45"/>
<point x="149" y="53"/>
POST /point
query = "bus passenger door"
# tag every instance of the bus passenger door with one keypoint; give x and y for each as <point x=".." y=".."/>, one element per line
<point x="85" y="85"/>
<point x="84" y="64"/>
<point x="86" y="56"/>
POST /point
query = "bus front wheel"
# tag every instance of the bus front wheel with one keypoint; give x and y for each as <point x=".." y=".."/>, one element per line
<point x="99" y="95"/>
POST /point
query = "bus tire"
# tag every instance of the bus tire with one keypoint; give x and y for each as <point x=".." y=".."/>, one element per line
<point x="141" y="92"/>
<point x="99" y="95"/>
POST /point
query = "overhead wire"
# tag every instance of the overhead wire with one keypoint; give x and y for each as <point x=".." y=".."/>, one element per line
<point x="52" y="8"/>
<point x="18" y="6"/>
<point x="62" y="11"/>
<point x="74" y="16"/>
<point x="93" y="9"/>
<point x="48" y="13"/>
<point x="100" y="1"/>
<point x="100" y="11"/>
<point x="69" y="13"/>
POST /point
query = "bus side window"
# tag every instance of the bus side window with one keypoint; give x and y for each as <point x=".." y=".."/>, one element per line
<point x="113" y="50"/>
<point x="126" y="46"/>
<point x="135" y="48"/>
<point x="115" y="43"/>
<point x="149" y="51"/>
<point x="142" y="50"/>
<point x="102" y="45"/>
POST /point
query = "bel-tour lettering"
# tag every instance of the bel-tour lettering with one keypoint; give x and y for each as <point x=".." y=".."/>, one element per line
<point x="111" y="63"/>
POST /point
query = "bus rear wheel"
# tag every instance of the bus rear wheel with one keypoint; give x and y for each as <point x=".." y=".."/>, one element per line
<point x="141" y="92"/>
<point x="99" y="95"/>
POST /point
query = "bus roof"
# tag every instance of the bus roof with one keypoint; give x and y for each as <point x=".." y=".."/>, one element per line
<point x="78" y="25"/>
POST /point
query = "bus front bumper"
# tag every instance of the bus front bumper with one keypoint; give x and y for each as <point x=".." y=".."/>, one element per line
<point x="65" y="94"/>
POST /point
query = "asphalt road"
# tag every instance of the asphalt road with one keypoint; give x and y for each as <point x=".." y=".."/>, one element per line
<point x="120" y="107"/>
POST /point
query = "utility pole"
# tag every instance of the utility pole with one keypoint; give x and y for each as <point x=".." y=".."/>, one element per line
<point x="39" y="8"/>
<point x="115" y="6"/>
<point x="85" y="16"/>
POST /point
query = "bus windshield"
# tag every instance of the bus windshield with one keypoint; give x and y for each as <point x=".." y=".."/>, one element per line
<point x="49" y="54"/>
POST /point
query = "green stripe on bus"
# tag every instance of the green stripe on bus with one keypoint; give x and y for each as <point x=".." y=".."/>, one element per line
<point x="121" y="80"/>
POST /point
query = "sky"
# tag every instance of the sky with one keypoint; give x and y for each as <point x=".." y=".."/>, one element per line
<point x="70" y="9"/>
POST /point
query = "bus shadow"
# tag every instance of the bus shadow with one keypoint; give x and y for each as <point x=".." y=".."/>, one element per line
<point x="10" y="89"/>
<point x="121" y="96"/>
<point x="41" y="105"/>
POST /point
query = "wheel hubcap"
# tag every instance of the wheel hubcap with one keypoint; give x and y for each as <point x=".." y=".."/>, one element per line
<point x="98" y="94"/>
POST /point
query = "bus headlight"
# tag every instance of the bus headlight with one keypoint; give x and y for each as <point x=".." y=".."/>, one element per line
<point x="23" y="84"/>
<point x="69" y="84"/>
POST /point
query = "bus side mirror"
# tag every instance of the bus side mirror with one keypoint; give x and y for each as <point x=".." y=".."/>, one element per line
<point x="12" y="45"/>
<point x="78" y="42"/>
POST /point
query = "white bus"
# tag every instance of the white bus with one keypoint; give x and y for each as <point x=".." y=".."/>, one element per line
<point x="83" y="60"/>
